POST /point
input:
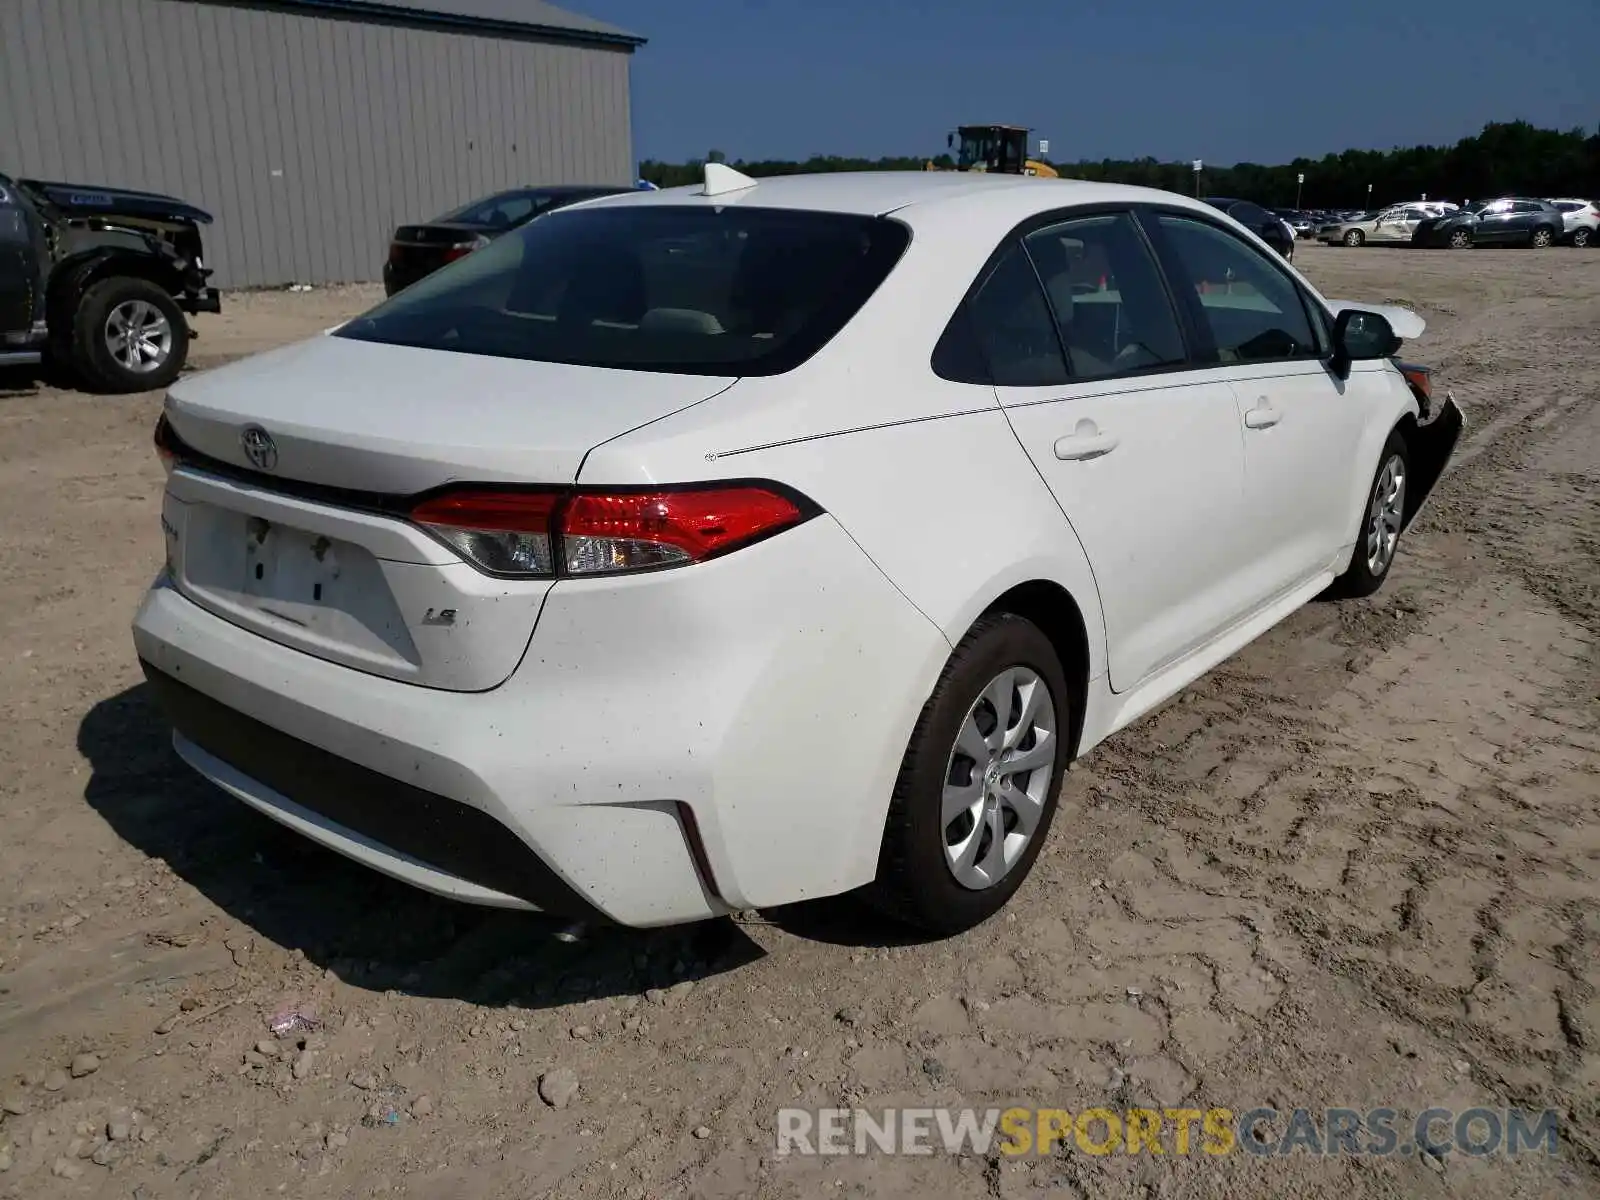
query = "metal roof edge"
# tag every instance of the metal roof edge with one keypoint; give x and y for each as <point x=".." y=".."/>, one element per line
<point x="406" y="15"/>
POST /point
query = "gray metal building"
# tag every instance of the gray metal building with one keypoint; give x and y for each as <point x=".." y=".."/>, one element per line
<point x="311" y="128"/>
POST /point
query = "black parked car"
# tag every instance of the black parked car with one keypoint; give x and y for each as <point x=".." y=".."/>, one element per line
<point x="1510" y="221"/>
<point x="100" y="279"/>
<point x="1304" y="224"/>
<point x="419" y="250"/>
<point x="1265" y="225"/>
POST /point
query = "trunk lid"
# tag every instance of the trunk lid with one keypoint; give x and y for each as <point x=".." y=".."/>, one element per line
<point x="399" y="420"/>
<point x="308" y="552"/>
<point x="438" y="233"/>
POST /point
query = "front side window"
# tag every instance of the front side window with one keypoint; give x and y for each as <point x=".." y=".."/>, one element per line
<point x="692" y="290"/>
<point x="1109" y="303"/>
<point x="1251" y="309"/>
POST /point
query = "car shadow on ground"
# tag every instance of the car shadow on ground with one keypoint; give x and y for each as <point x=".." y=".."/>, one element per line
<point x="20" y="382"/>
<point x="371" y="931"/>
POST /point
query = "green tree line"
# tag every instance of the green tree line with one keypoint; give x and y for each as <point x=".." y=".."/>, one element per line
<point x="1505" y="158"/>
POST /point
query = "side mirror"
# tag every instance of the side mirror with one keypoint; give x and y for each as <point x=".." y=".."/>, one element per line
<point x="1361" y="337"/>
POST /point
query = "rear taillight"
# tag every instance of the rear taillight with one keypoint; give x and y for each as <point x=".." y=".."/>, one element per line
<point x="166" y="444"/>
<point x="581" y="533"/>
<point x="1420" y="378"/>
<point x="506" y="533"/>
<point x="462" y="249"/>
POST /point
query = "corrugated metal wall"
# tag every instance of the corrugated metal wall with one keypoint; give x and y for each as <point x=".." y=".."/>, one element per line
<point x="309" y="138"/>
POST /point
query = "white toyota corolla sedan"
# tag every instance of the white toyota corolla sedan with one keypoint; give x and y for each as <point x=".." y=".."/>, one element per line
<point x="726" y="546"/>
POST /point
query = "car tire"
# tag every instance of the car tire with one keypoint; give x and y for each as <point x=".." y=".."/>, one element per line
<point x="1542" y="238"/>
<point x="129" y="335"/>
<point x="1460" y="239"/>
<point x="1381" y="521"/>
<point x="1582" y="236"/>
<point x="1354" y="238"/>
<point x="920" y="877"/>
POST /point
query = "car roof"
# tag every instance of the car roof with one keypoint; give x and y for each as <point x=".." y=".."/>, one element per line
<point x="878" y="193"/>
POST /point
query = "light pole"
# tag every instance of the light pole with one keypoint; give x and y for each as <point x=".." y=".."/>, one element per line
<point x="1198" y="166"/>
<point x="1299" y="186"/>
<point x="1369" y="197"/>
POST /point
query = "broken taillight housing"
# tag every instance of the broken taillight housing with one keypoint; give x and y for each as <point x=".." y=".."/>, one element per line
<point x="166" y="444"/>
<point x="585" y="532"/>
<point x="1420" y="378"/>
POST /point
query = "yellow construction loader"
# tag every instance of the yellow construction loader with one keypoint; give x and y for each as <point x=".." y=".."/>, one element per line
<point x="999" y="149"/>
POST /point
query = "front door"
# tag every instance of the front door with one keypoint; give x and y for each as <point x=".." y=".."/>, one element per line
<point x="1142" y="452"/>
<point x="1494" y="224"/>
<point x="1300" y="428"/>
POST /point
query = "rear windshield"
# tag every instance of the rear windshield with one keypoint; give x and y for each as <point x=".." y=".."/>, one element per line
<point x="698" y="291"/>
<point x="500" y="209"/>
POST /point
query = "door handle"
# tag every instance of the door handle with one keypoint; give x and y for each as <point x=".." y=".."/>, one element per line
<point x="1263" y="416"/>
<point x="1085" y="442"/>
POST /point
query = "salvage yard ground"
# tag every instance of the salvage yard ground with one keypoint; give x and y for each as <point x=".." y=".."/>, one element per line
<point x="1358" y="865"/>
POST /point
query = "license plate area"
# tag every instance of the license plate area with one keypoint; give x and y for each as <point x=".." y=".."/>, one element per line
<point x="306" y="589"/>
<point x="290" y="574"/>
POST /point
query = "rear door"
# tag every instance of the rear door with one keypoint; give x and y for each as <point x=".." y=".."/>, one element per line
<point x="1300" y="425"/>
<point x="1142" y="452"/>
<point x="1390" y="226"/>
<point x="20" y="267"/>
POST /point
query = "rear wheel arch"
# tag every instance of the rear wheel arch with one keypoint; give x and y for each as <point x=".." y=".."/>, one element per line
<point x="1056" y="612"/>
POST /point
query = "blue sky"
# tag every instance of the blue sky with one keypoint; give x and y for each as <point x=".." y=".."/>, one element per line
<point x="1222" y="80"/>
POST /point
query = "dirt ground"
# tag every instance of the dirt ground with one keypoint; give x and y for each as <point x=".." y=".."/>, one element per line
<point x="1358" y="865"/>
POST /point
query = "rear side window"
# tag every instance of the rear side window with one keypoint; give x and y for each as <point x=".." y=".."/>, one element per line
<point x="691" y="290"/>
<point x="1015" y="332"/>
<point x="1251" y="308"/>
<point x="1109" y="302"/>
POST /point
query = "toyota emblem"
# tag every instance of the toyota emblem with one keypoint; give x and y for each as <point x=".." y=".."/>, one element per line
<point x="259" y="447"/>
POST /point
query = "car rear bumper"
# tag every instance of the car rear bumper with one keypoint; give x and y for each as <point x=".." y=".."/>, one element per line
<point x="1431" y="445"/>
<point x="673" y="746"/>
<point x="399" y="276"/>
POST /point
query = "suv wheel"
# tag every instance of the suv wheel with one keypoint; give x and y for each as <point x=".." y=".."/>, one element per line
<point x="129" y="336"/>
<point x="1543" y="236"/>
<point x="978" y="784"/>
<point x="1460" y="239"/>
<point x="1582" y="236"/>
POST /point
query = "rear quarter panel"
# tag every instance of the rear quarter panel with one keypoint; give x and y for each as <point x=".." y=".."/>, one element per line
<point x="950" y="508"/>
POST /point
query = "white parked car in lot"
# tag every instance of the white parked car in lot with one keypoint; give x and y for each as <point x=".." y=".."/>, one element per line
<point x="726" y="546"/>
<point x="1580" y="220"/>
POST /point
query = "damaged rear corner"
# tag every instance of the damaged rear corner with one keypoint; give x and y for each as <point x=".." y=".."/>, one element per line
<point x="1430" y="444"/>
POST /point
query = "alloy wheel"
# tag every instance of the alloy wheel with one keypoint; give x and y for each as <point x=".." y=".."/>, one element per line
<point x="1385" y="515"/>
<point x="138" y="336"/>
<point x="998" y="778"/>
